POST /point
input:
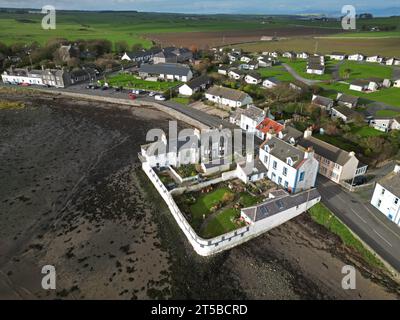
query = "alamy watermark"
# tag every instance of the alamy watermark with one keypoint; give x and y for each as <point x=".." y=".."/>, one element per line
<point x="49" y="280"/>
<point x="349" y="280"/>
<point x="349" y="18"/>
<point x="49" y="20"/>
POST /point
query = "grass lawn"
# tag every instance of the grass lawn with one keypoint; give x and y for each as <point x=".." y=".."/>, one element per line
<point x="279" y="72"/>
<point x="222" y="223"/>
<point x="390" y="96"/>
<point x="205" y="202"/>
<point x="388" y="113"/>
<point x="181" y="100"/>
<point x="248" y="200"/>
<point x="322" y="215"/>
<point x="367" y="131"/>
<point x="130" y="82"/>
<point x="11" y="105"/>
<point x="365" y="70"/>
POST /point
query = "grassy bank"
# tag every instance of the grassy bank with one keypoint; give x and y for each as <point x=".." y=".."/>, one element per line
<point x="11" y="105"/>
<point x="323" y="216"/>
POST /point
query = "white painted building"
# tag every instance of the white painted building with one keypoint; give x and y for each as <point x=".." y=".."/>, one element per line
<point x="356" y="57"/>
<point x="396" y="84"/>
<point x="253" y="78"/>
<point x="228" y="97"/>
<point x="376" y="59"/>
<point x="236" y="74"/>
<point x="270" y="83"/>
<point x="337" y="56"/>
<point x="288" y="166"/>
<point x="386" y="197"/>
<point x="385" y="124"/>
<point x="19" y="76"/>
<point x="251" y="117"/>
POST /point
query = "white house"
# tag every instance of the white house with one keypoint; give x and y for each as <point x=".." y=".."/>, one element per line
<point x="251" y="171"/>
<point x="18" y="76"/>
<point x="377" y="59"/>
<point x="322" y="102"/>
<point x="166" y="71"/>
<point x="223" y="70"/>
<point x="268" y="126"/>
<point x="315" y="69"/>
<point x="236" y="74"/>
<point x="344" y="113"/>
<point x="228" y="97"/>
<point x="270" y="83"/>
<point x="195" y="85"/>
<point x="392" y="62"/>
<point x="356" y="57"/>
<point x="264" y="63"/>
<point x="337" y="56"/>
<point x="302" y="55"/>
<point x="245" y="59"/>
<point x="396" y="84"/>
<point x="347" y="100"/>
<point x="386" y="197"/>
<point x="385" y="124"/>
<point x="289" y="54"/>
<point x="253" y="78"/>
<point x="289" y="166"/>
<point x="251" y="117"/>
<point x="365" y="85"/>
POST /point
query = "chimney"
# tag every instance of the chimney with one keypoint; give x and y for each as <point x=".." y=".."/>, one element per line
<point x="309" y="153"/>
<point x="308" y="133"/>
<point x="397" y="168"/>
<point x="352" y="154"/>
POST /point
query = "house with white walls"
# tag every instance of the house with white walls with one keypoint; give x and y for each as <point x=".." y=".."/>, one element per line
<point x="195" y="85"/>
<point x="302" y="55"/>
<point x="343" y="113"/>
<point x="293" y="168"/>
<point x="386" y="196"/>
<point x="251" y="172"/>
<point x="396" y="83"/>
<point x="366" y="85"/>
<point x="228" y="97"/>
<point x="253" y="78"/>
<point x="289" y="54"/>
<point x="271" y="82"/>
<point x="376" y="59"/>
<point x="322" y="102"/>
<point x="347" y="100"/>
<point x="356" y="57"/>
<point x="166" y="71"/>
<point x="251" y="117"/>
<point x="236" y="74"/>
<point x="384" y="123"/>
<point x="339" y="56"/>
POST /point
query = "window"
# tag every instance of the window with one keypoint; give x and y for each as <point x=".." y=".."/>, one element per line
<point x="379" y="203"/>
<point x="279" y="180"/>
<point x="383" y="191"/>
<point x="274" y="165"/>
<point x="396" y="200"/>
<point x="285" y="171"/>
<point x="286" y="184"/>
<point x="266" y="159"/>
<point x="302" y="175"/>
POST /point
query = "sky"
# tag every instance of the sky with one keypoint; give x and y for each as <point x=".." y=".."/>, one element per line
<point x="216" y="6"/>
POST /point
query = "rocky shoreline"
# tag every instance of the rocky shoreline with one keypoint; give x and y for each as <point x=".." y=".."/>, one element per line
<point x="74" y="196"/>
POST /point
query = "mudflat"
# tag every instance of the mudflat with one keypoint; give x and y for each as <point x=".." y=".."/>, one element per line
<point x="73" y="195"/>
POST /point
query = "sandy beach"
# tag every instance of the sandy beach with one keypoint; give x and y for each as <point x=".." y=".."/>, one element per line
<point x="72" y="195"/>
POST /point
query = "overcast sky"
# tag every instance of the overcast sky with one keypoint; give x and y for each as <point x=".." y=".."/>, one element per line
<point x="209" y="6"/>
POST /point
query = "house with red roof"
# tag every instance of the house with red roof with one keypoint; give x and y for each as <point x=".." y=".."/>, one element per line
<point x="266" y="126"/>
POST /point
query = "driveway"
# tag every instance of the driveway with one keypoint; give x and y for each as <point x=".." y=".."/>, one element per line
<point x="300" y="78"/>
<point x="363" y="219"/>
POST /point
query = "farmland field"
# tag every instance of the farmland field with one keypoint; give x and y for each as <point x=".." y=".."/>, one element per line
<point x="386" y="47"/>
<point x="278" y="72"/>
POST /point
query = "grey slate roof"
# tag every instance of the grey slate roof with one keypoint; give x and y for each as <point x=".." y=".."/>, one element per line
<point x="391" y="182"/>
<point x="227" y="93"/>
<point x="199" y="81"/>
<point x="165" y="68"/>
<point x="253" y="112"/>
<point x="279" y="204"/>
<point x="283" y="150"/>
<point x="322" y="101"/>
<point x="345" y="98"/>
<point x="349" y="113"/>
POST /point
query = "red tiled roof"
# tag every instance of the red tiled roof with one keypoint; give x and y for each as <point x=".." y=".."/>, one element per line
<point x="267" y="124"/>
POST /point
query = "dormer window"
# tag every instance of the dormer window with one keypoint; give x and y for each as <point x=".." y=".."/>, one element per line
<point x="289" y="161"/>
<point x="267" y="148"/>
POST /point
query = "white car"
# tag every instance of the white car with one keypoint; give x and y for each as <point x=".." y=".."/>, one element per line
<point x="152" y="94"/>
<point x="159" y="97"/>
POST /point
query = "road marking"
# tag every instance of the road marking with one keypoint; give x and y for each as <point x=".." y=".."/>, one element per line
<point x="382" y="237"/>
<point x="358" y="215"/>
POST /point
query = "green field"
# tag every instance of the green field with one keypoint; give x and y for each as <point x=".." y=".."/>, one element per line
<point x="365" y="70"/>
<point x="181" y="100"/>
<point x="322" y="215"/>
<point x="130" y="82"/>
<point x="300" y="65"/>
<point x="220" y="224"/>
<point x="367" y="132"/>
<point x="390" y="96"/>
<point x="279" y="72"/>
<point x="388" y="113"/>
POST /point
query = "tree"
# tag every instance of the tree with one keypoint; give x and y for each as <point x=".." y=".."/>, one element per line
<point x="347" y="73"/>
<point x="137" y="47"/>
<point x="121" y="46"/>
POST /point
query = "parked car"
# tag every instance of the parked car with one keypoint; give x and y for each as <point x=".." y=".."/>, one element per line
<point x="138" y="91"/>
<point x="132" y="96"/>
<point x="24" y="84"/>
<point x="104" y="88"/>
<point x="152" y="94"/>
<point x="160" y="97"/>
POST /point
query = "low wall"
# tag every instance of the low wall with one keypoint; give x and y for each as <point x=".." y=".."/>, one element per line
<point x="206" y="247"/>
<point x="131" y="103"/>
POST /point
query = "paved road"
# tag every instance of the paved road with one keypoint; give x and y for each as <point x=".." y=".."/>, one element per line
<point x="308" y="82"/>
<point x="364" y="220"/>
